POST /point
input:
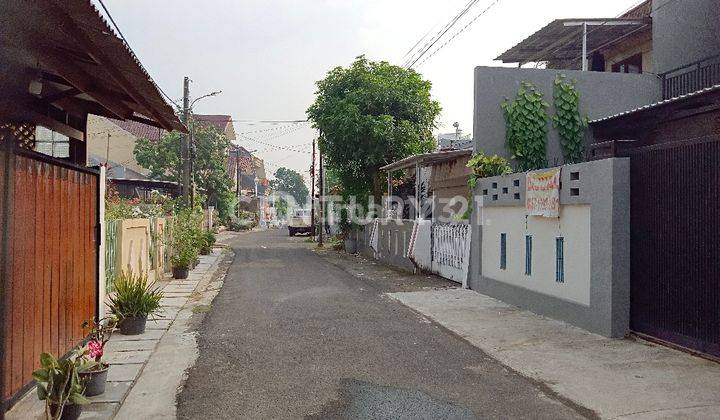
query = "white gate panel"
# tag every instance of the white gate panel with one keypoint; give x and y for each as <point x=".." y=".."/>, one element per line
<point x="450" y="250"/>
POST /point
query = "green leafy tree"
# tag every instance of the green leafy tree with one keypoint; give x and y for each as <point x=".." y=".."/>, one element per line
<point x="209" y="172"/>
<point x="371" y="114"/>
<point x="289" y="181"/>
<point x="281" y="206"/>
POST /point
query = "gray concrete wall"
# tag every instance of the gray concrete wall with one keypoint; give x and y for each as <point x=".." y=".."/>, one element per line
<point x="393" y="241"/>
<point x="601" y="95"/>
<point x="684" y="31"/>
<point x="604" y="186"/>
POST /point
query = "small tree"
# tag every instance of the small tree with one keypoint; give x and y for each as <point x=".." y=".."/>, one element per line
<point x="371" y="114"/>
<point x="291" y="182"/>
<point x="209" y="170"/>
<point x="281" y="207"/>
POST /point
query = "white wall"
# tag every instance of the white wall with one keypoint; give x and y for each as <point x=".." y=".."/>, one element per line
<point x="573" y="225"/>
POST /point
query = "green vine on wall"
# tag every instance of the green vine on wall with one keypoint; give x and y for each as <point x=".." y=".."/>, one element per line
<point x="526" y="127"/>
<point x="568" y="121"/>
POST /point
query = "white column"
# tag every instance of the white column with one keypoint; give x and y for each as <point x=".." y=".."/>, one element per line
<point x="388" y="199"/>
<point x="584" y="47"/>
<point x="101" y="246"/>
<point x="417" y="191"/>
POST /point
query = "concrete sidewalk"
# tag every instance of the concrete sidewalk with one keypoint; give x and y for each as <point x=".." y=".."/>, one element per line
<point x="143" y="378"/>
<point x="616" y="378"/>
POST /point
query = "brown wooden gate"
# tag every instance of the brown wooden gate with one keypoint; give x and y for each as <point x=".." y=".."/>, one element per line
<point x="675" y="243"/>
<point x="50" y="279"/>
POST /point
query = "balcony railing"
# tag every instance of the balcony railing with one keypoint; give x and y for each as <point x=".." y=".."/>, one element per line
<point x="691" y="78"/>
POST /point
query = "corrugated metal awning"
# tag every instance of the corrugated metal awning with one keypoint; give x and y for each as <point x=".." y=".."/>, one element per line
<point x="426" y="159"/>
<point x="562" y="39"/>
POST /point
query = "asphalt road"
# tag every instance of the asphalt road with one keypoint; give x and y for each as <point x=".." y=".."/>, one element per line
<point x="292" y="335"/>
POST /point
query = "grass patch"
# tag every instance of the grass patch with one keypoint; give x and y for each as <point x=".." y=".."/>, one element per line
<point x="201" y="309"/>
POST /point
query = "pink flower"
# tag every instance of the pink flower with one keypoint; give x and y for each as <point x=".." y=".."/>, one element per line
<point x="95" y="349"/>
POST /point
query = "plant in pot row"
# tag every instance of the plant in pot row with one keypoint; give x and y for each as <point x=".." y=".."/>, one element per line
<point x="134" y="300"/>
<point x="93" y="371"/>
<point x="207" y="241"/>
<point x="187" y="240"/>
<point x="183" y="258"/>
<point x="63" y="384"/>
<point x="58" y="383"/>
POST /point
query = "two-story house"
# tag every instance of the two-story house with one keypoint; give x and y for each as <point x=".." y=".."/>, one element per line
<point x="633" y="247"/>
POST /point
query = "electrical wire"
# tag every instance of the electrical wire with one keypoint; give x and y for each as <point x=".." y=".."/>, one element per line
<point x="421" y="51"/>
<point x="442" y="33"/>
<point x="271" y="121"/>
<point x="493" y="4"/>
<point x="264" y="142"/>
<point x="278" y="127"/>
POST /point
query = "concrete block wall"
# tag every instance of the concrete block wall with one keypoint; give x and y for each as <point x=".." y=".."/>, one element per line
<point x="393" y="242"/>
<point x="133" y="247"/>
<point x="595" y="222"/>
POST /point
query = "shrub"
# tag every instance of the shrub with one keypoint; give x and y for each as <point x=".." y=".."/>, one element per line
<point x="483" y="166"/>
<point x="208" y="240"/>
<point x="134" y="296"/>
<point x="187" y="237"/>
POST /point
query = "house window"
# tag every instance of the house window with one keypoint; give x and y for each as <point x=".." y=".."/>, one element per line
<point x="629" y="65"/>
<point x="528" y="255"/>
<point x="560" y="259"/>
<point x="51" y="143"/>
<point x="503" y="251"/>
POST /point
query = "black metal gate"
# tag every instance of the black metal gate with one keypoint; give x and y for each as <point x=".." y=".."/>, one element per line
<point x="675" y="243"/>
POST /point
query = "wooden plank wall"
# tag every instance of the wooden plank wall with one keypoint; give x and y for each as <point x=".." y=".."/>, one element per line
<point x="52" y="287"/>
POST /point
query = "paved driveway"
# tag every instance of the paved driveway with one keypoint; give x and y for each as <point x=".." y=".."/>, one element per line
<point x="293" y="336"/>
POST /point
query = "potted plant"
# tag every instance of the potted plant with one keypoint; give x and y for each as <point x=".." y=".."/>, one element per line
<point x="182" y="259"/>
<point x="187" y="241"/>
<point x="208" y="240"/>
<point x="93" y="371"/>
<point x="134" y="300"/>
<point x="59" y="385"/>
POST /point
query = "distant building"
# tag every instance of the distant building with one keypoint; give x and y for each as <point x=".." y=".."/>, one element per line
<point x="455" y="141"/>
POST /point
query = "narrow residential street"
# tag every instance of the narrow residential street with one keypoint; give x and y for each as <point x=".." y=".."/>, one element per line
<point x="292" y="335"/>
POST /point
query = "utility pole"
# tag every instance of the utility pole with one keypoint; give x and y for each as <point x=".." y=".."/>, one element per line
<point x="322" y="199"/>
<point x="185" y="147"/>
<point x="312" y="192"/>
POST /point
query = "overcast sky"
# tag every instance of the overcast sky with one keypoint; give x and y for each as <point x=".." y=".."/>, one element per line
<point x="265" y="55"/>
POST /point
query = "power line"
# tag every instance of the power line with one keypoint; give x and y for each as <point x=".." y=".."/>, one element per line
<point x="275" y="146"/>
<point x="277" y="127"/>
<point x="461" y="30"/>
<point x="417" y="54"/>
<point x="271" y="121"/>
<point x="442" y="33"/>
